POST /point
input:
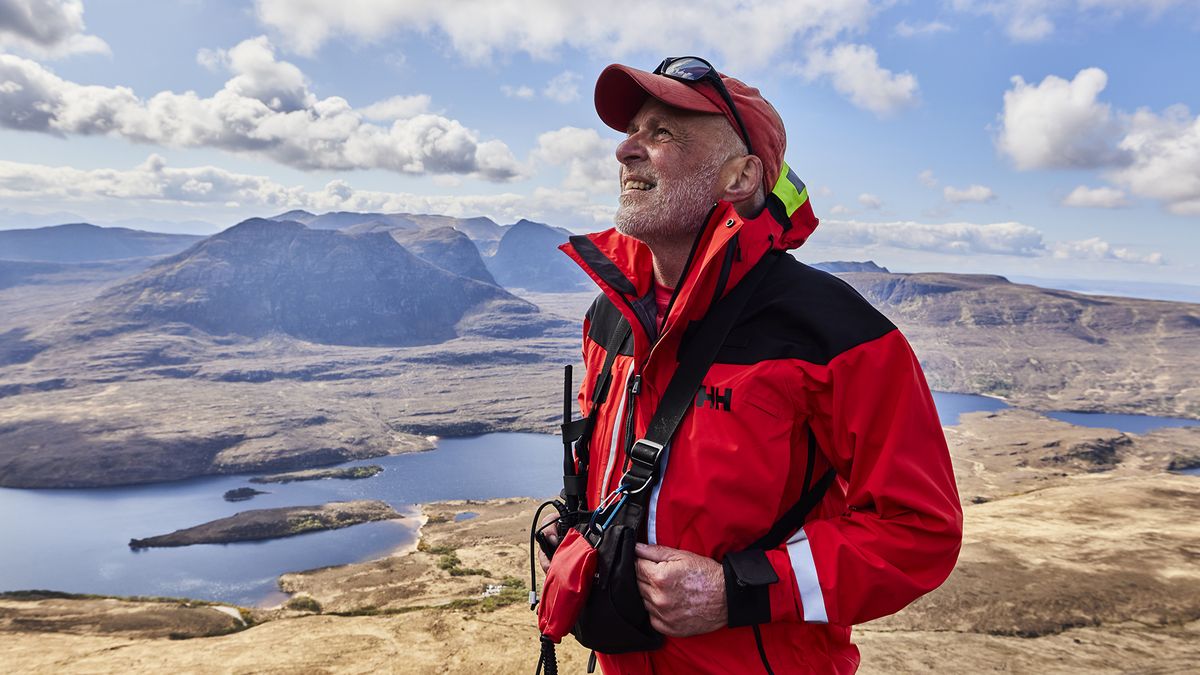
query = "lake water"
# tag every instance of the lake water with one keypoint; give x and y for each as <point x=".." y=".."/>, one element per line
<point x="76" y="540"/>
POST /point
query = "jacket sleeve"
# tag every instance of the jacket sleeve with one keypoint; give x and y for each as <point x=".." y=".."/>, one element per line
<point x="899" y="533"/>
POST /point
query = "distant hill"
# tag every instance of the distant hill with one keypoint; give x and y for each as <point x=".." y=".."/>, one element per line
<point x="484" y="232"/>
<point x="263" y="276"/>
<point x="841" y="266"/>
<point x="26" y="272"/>
<point x="447" y="248"/>
<point x="83" y="242"/>
<point x="528" y="257"/>
<point x="983" y="334"/>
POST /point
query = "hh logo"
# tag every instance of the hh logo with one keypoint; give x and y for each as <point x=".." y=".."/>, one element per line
<point x="721" y="399"/>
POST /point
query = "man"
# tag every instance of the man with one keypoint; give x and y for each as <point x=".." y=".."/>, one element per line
<point x="810" y="378"/>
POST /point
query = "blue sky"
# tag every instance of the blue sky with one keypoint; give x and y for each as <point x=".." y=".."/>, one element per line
<point x="1054" y="139"/>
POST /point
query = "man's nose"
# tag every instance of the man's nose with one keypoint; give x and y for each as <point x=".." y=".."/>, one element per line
<point x="631" y="149"/>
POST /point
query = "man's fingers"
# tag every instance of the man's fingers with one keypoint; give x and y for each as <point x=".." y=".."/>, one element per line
<point x="644" y="569"/>
<point x="543" y="561"/>
<point x="654" y="552"/>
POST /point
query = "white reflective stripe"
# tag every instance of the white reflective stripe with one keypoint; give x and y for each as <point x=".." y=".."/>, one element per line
<point x="612" y="446"/>
<point x="807" y="583"/>
<point x="652" y="518"/>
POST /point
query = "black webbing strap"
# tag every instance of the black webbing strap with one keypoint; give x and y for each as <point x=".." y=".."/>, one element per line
<point x="810" y="496"/>
<point x="579" y="432"/>
<point x="646" y="453"/>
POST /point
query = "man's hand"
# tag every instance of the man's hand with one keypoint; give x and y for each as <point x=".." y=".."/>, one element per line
<point x="684" y="592"/>
<point x="550" y="533"/>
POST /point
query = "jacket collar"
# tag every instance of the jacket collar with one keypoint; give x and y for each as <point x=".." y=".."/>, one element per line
<point x="728" y="246"/>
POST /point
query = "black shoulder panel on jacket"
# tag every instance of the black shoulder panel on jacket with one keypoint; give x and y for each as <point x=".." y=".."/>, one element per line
<point x="802" y="313"/>
<point x="604" y="317"/>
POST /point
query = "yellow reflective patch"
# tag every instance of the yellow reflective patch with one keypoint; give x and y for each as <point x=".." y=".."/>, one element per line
<point x="788" y="193"/>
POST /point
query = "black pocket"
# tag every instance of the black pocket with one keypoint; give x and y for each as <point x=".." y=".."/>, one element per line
<point x="614" y="620"/>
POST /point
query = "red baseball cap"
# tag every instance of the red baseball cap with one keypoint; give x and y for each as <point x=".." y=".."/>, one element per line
<point x="621" y="91"/>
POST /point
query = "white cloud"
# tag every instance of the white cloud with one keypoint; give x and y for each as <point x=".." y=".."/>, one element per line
<point x="590" y="159"/>
<point x="855" y="72"/>
<point x="974" y="193"/>
<point x="1062" y="125"/>
<point x="921" y="29"/>
<point x="1059" y="124"/>
<point x="1166" y="158"/>
<point x="1097" y="198"/>
<point x="479" y="29"/>
<point x="958" y="238"/>
<point x="1098" y="249"/>
<point x="927" y="178"/>
<point x="563" y="88"/>
<point x="1035" y="20"/>
<point x="1009" y="239"/>
<point x="838" y="210"/>
<point x="397" y="107"/>
<point x="265" y="109"/>
<point x="870" y="201"/>
<point x="46" y="28"/>
<point x="195" y="187"/>
<point x="522" y="91"/>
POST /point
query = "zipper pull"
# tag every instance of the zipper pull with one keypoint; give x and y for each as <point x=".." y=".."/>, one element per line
<point x="635" y="385"/>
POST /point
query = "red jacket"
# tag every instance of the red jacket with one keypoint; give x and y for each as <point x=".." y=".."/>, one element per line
<point x="808" y="352"/>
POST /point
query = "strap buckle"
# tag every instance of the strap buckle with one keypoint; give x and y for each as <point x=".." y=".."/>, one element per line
<point x="643" y="457"/>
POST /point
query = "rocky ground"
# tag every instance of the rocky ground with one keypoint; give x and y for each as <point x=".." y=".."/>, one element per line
<point x="1079" y="555"/>
<point x="143" y="407"/>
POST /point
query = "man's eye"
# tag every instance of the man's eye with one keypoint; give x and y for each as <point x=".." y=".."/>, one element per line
<point x="662" y="131"/>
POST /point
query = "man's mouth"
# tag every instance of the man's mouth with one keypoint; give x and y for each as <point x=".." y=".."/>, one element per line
<point x="634" y="184"/>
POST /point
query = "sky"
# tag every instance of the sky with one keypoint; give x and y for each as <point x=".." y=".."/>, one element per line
<point x="1052" y="139"/>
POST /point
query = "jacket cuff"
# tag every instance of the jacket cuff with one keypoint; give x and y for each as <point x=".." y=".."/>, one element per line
<point x="748" y="579"/>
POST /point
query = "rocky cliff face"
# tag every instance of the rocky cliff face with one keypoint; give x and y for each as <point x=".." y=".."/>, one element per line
<point x="262" y="276"/>
<point x="982" y="334"/>
<point x="447" y="248"/>
<point x="528" y="257"/>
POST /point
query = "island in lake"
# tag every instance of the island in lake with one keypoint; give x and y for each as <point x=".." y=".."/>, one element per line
<point x="273" y="523"/>
<point x="345" y="473"/>
<point x="242" y="494"/>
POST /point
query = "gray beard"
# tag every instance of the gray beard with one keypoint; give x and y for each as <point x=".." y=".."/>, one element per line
<point x="673" y="213"/>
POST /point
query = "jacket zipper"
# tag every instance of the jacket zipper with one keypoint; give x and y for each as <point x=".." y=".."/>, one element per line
<point x="634" y="385"/>
<point x="633" y="388"/>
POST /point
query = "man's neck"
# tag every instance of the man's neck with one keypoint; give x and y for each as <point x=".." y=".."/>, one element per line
<point x="669" y="259"/>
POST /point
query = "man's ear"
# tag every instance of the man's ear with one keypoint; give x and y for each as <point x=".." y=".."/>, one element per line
<point x="741" y="178"/>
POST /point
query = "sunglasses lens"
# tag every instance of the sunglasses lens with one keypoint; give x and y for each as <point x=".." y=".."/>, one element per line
<point x="687" y="69"/>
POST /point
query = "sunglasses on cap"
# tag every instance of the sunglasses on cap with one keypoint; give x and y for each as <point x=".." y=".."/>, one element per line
<point x="696" y="69"/>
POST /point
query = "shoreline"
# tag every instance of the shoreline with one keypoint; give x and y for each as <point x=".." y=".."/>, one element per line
<point x="430" y="443"/>
<point x="1012" y="602"/>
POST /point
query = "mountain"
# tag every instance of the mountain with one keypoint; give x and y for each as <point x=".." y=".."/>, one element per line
<point x="82" y="242"/>
<point x="296" y="216"/>
<point x="1041" y="347"/>
<point x="484" y="232"/>
<point x="447" y="248"/>
<point x="528" y="257"/>
<point x="264" y="276"/>
<point x="841" y="266"/>
<point x="32" y="272"/>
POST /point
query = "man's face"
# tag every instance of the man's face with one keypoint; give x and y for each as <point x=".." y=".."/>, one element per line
<point x="670" y="162"/>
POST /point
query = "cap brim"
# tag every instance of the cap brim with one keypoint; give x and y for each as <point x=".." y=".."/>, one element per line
<point x="621" y="91"/>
